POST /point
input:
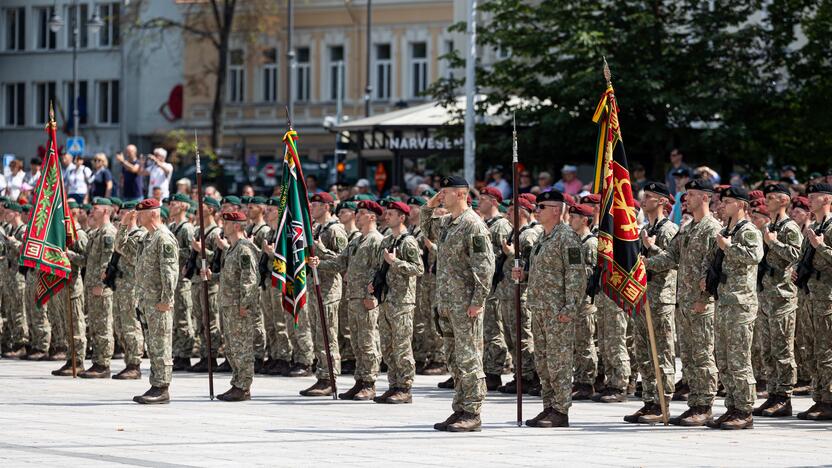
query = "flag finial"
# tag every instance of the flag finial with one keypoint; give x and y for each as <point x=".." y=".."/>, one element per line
<point x="51" y="123"/>
<point x="196" y="146"/>
<point x="607" y="73"/>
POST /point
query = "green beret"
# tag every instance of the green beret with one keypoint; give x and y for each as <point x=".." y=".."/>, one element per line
<point x="26" y="208"/>
<point x="232" y="200"/>
<point x="502" y="208"/>
<point x="245" y="200"/>
<point x="165" y="200"/>
<point x="418" y="201"/>
<point x="181" y="197"/>
<point x="273" y="201"/>
<point x="129" y="205"/>
<point x="12" y="206"/>
<point x="165" y="212"/>
<point x="211" y="202"/>
<point x="191" y="210"/>
<point x="364" y="197"/>
<point x="348" y="205"/>
<point x="72" y="204"/>
<point x="258" y="200"/>
<point x="102" y="201"/>
<point x="428" y="192"/>
<point x="4" y="199"/>
<point x="117" y="201"/>
<point x="86" y="207"/>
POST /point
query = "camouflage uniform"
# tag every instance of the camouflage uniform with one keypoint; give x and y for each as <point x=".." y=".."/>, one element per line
<point x="804" y="339"/>
<point x="395" y="321"/>
<point x="464" y="268"/>
<point x="661" y="293"/>
<point x="820" y="305"/>
<point x="433" y="342"/>
<point x="344" y="344"/>
<point x="585" y="353"/>
<point x="183" y="329"/>
<point x="778" y="301"/>
<point x="238" y="290"/>
<point x="77" y="258"/>
<point x="212" y="233"/>
<point x="15" y="290"/>
<point x="736" y="311"/>
<point x="495" y="355"/>
<point x="357" y="261"/>
<point x="40" y="330"/>
<point x="696" y="335"/>
<point x="612" y="341"/>
<point x="331" y="240"/>
<point x="100" y="308"/>
<point x="557" y="282"/>
<point x="260" y="234"/>
<point x="127" y="325"/>
<point x="157" y="275"/>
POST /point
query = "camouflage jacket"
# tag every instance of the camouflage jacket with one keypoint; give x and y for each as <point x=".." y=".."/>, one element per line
<point x="740" y="265"/>
<point x="101" y="248"/>
<point x="212" y="234"/>
<point x="12" y="249"/>
<point x="77" y="254"/>
<point x="820" y="283"/>
<point x="260" y="234"/>
<point x="528" y="238"/>
<point x="357" y="262"/>
<point x="661" y="285"/>
<point x="402" y="273"/>
<point x="464" y="260"/>
<point x="783" y="252"/>
<point x="184" y="234"/>
<point x="127" y="244"/>
<point x="331" y="241"/>
<point x="238" y="277"/>
<point x="557" y="273"/>
<point x="589" y="249"/>
<point x="157" y="272"/>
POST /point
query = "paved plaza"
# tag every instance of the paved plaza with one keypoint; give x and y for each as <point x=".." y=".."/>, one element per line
<point x="51" y="421"/>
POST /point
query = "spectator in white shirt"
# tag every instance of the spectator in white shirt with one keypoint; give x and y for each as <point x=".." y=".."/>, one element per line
<point x="159" y="172"/>
<point x="78" y="177"/>
<point x="14" y="179"/>
<point x="33" y="176"/>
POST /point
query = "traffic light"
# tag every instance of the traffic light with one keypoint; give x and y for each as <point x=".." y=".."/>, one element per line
<point x="340" y="164"/>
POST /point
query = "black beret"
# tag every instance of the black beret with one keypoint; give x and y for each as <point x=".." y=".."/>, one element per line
<point x="789" y="167"/>
<point x="453" y="182"/>
<point x="701" y="185"/>
<point x="737" y="193"/>
<point x="551" y="195"/>
<point x="681" y="172"/>
<point x="658" y="188"/>
<point x="776" y="188"/>
<point x="819" y="188"/>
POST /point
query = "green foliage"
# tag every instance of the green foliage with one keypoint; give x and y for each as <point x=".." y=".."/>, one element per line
<point x="56" y="257"/>
<point x="41" y="213"/>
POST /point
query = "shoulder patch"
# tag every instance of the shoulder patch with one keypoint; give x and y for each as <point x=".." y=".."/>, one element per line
<point x="749" y="236"/>
<point x="479" y="244"/>
<point x="574" y="254"/>
<point x="167" y="251"/>
<point x="410" y="252"/>
<point x="108" y="241"/>
<point x="245" y="260"/>
<point x="341" y="242"/>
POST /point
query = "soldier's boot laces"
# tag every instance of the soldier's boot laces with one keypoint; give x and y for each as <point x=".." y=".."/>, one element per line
<point x="154" y="396"/>
<point x="781" y="408"/>
<point x="131" y="372"/>
<point x="367" y="392"/>
<point x="468" y="422"/>
<point x="318" y="389"/>
<point x="443" y="426"/>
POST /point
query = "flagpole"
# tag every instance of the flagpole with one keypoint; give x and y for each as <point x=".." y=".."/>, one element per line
<point x="518" y="362"/>
<point x="206" y="317"/>
<point x="648" y="317"/>
<point x="317" y="281"/>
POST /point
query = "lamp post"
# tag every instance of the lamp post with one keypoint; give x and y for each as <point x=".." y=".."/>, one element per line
<point x="94" y="24"/>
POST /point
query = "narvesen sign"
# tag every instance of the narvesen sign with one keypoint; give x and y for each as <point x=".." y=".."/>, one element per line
<point x="424" y="143"/>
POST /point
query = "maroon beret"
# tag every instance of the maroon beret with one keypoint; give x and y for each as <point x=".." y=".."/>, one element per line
<point x="801" y="202"/>
<point x="755" y="194"/>
<point x="493" y="192"/>
<point x="525" y="204"/>
<point x="401" y="206"/>
<point x="322" y="197"/>
<point x="370" y="205"/>
<point x="148" y="204"/>
<point x="637" y="204"/>
<point x="761" y="210"/>
<point x="592" y="199"/>
<point x="583" y="210"/>
<point x="532" y="198"/>
<point x="234" y="216"/>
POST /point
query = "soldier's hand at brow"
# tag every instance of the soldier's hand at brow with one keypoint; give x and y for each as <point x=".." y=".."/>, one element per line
<point x="474" y="311"/>
<point x="435" y="200"/>
<point x="313" y="261"/>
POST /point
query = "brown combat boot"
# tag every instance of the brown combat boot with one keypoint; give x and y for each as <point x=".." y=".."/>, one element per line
<point x="652" y="416"/>
<point x="802" y="388"/>
<point x="299" y="370"/>
<point x="434" y="368"/>
<point x="131" y="372"/>
<point x="235" y="394"/>
<point x="279" y="367"/>
<point x="446" y="384"/>
<point x="350" y="394"/>
<point x="822" y="412"/>
<point x="443" y="426"/>
<point x="738" y="420"/>
<point x="16" y="353"/>
<point x="582" y="392"/>
<point x="694" y="417"/>
<point x="813" y="410"/>
<point x="717" y="423"/>
<point x="533" y="421"/>
<point x="681" y="392"/>
<point x="648" y="408"/>
<point x="154" y="396"/>
<point x="613" y="395"/>
<point x="781" y="408"/>
<point x="401" y="396"/>
<point x="366" y="393"/>
<point x="259" y="366"/>
<point x="468" y="422"/>
<point x="383" y="397"/>
<point x="34" y="355"/>
<point x="56" y="355"/>
<point x="66" y="369"/>
<point x="758" y="411"/>
<point x="318" y="389"/>
<point x="95" y="372"/>
<point x="553" y="419"/>
<point x="493" y="382"/>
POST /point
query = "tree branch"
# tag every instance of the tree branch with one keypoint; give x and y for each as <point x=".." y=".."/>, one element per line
<point x="165" y="23"/>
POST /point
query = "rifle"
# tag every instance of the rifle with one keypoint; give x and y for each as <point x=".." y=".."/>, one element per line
<point x="714" y="276"/>
<point x="263" y="269"/>
<point x="593" y="284"/>
<point x="380" y="286"/>
<point x="499" y="263"/>
<point x="112" y="272"/>
<point x="764" y="267"/>
<point x="216" y="262"/>
<point x="190" y="265"/>
<point x="806" y="267"/>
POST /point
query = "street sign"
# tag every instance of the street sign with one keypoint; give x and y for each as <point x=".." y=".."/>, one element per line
<point x="75" y="146"/>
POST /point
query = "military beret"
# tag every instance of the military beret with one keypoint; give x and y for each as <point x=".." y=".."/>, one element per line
<point x="532" y="198"/>
<point x="754" y="194"/>
<point x="148" y="204"/>
<point x="180" y="197"/>
<point x="364" y="197"/>
<point x="525" y="204"/>
<point x="12" y="206"/>
<point x="117" y="202"/>
<point x="234" y="216"/>
<point x="347" y="205"/>
<point x="101" y="201"/>
<point x="4" y="199"/>
<point x="583" y="210"/>
<point x="788" y="180"/>
<point x="757" y="202"/>
<point x="681" y="172"/>
<point x="658" y="188"/>
<point x="571" y="200"/>
<point x="384" y="202"/>
<point x="591" y="199"/>
<point x="801" y="202"/>
<point x="819" y="188"/>
<point x="232" y="200"/>
<point x="166" y="200"/>
<point x="428" y="192"/>
<point x="502" y="208"/>
<point x="453" y="182"/>
<point x="417" y="201"/>
<point x="191" y="210"/>
<point x="370" y="205"/>
<point x="211" y="202"/>
<point x="26" y="208"/>
<point x="701" y="185"/>
<point x="245" y="200"/>
<point x="273" y="201"/>
<point x="492" y="192"/>
<point x="258" y="200"/>
<point x="164" y="212"/>
<point x="86" y="207"/>
<point x="776" y="188"/>
<point x="789" y="167"/>
<point x="128" y="205"/>
<point x="761" y="210"/>
<point x="737" y="193"/>
<point x="72" y="204"/>
<point x="400" y="206"/>
<point x="551" y="195"/>
<point x="322" y="197"/>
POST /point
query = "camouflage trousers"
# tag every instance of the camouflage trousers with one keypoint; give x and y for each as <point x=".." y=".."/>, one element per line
<point x="159" y="345"/>
<point x="757" y="364"/>
<point x="821" y="311"/>
<point x="427" y="340"/>
<point x="40" y="331"/>
<point x="733" y="334"/>
<point x="364" y="334"/>
<point x="495" y="355"/>
<point x="554" y="345"/>
<point x="126" y="324"/>
<point x="213" y="319"/>
<point x="258" y="325"/>
<point x="777" y="326"/>
<point x="585" y="354"/>
<point x="395" y="326"/>
<point x="679" y="331"/>
<point x="15" y="307"/>
<point x="100" y="317"/>
<point x="183" y="330"/>
<point x="318" y="330"/>
<point x="344" y="344"/>
<point x="239" y="345"/>
<point x="463" y="337"/>
<point x="300" y="336"/>
<point x="697" y="346"/>
<point x="508" y="314"/>
<point x="57" y="321"/>
<point x="612" y="339"/>
<point x="60" y="325"/>
<point x="662" y="315"/>
<point x="276" y="322"/>
<point x="804" y="340"/>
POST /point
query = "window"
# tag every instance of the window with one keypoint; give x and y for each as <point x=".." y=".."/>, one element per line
<point x="46" y="39"/>
<point x="15" y="104"/>
<point x="269" y="75"/>
<point x="111" y="16"/>
<point x="302" y="68"/>
<point x="82" y="101"/>
<point x="337" y="74"/>
<point x="236" y="76"/>
<point x="16" y="28"/>
<point x="384" y="66"/>
<point x="44" y="94"/>
<point x="73" y="16"/>
<point x="108" y="102"/>
<point x="449" y="49"/>
<point x="418" y="68"/>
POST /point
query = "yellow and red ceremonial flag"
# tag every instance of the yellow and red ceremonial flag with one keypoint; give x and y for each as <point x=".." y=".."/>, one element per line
<point x="50" y="230"/>
<point x="623" y="277"/>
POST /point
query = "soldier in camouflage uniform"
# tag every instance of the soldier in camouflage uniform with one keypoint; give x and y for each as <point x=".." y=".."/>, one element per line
<point x="100" y="299"/>
<point x="40" y="330"/>
<point x="15" y="288"/>
<point x="661" y="294"/>
<point x="210" y="209"/>
<point x="357" y="262"/>
<point x="330" y="240"/>
<point x="183" y="329"/>
<point x="557" y="281"/>
<point x="819" y="301"/>
<point x="400" y="252"/>
<point x="157" y="275"/>
<point x="259" y="233"/>
<point x="238" y="297"/>
<point x="128" y="242"/>
<point x="586" y="354"/>
<point x="696" y="308"/>
<point x="736" y="310"/>
<point x="778" y="301"/>
<point x="274" y="317"/>
<point x="803" y="330"/>
<point x="464" y="269"/>
<point x="346" y="215"/>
